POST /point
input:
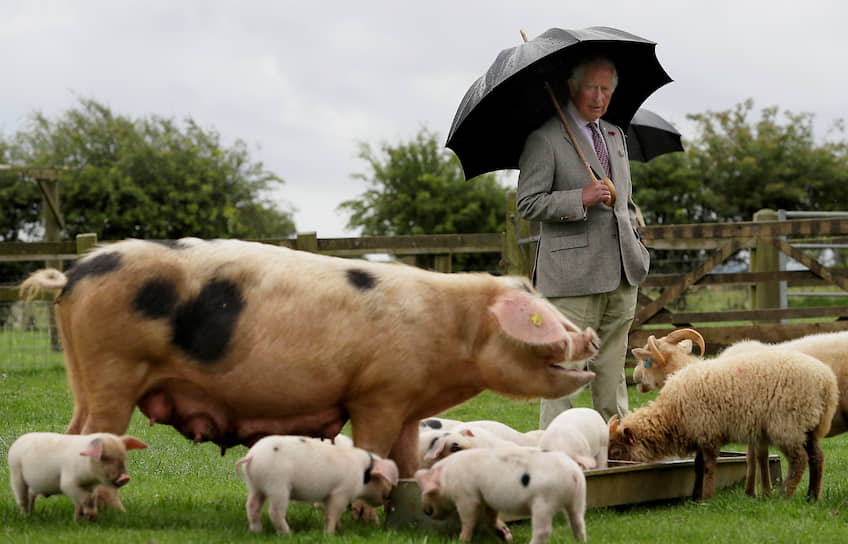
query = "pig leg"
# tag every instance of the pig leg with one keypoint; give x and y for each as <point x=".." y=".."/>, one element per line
<point x="255" y="502"/>
<point x="468" y="509"/>
<point x="278" y="505"/>
<point x="382" y="436"/>
<point x="405" y="450"/>
<point x="334" y="507"/>
<point x="577" y="514"/>
<point x="542" y="521"/>
<point x="22" y="492"/>
<point x="495" y="522"/>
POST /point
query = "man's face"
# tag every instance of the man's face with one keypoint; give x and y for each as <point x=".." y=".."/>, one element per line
<point x="593" y="95"/>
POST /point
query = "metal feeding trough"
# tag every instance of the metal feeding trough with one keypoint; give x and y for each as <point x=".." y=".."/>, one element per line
<point x="622" y="482"/>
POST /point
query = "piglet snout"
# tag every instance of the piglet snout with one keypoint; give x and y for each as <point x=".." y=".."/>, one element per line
<point x="121" y="480"/>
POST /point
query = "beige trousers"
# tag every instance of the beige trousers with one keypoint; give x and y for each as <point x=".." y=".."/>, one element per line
<point x="611" y="315"/>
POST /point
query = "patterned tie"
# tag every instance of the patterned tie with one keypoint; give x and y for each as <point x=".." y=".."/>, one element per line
<point x="599" y="148"/>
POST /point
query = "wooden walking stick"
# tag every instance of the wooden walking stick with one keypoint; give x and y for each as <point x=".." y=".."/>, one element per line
<point x="562" y="117"/>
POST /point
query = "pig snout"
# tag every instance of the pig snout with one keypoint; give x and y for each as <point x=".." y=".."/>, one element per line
<point x="427" y="509"/>
<point x="121" y="480"/>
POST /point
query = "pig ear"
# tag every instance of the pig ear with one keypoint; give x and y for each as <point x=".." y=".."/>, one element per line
<point x="428" y="480"/>
<point x="133" y="443"/>
<point x="94" y="449"/>
<point x="387" y="469"/>
<point x="529" y="319"/>
<point x="467" y="432"/>
<point x="436" y="449"/>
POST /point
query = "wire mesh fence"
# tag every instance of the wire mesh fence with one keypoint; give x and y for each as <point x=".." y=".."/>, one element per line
<point x="28" y="336"/>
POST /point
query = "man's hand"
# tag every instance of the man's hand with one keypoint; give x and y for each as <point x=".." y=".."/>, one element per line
<point x="596" y="192"/>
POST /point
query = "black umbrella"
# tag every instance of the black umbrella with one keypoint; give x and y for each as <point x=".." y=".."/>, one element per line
<point x="509" y="101"/>
<point x="649" y="136"/>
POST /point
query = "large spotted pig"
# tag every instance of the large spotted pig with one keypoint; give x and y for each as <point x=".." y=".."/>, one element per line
<point x="229" y="341"/>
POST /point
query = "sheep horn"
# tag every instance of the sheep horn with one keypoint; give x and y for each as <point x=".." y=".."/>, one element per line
<point x="652" y="343"/>
<point x="675" y="337"/>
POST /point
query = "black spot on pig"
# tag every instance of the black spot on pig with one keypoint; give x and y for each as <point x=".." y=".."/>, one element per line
<point x="156" y="299"/>
<point x="202" y="327"/>
<point x="171" y="244"/>
<point x="432" y="423"/>
<point x="361" y="279"/>
<point x="525" y="479"/>
<point x="94" y="266"/>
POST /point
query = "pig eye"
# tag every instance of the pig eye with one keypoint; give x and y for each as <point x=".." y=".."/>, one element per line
<point x="455" y="447"/>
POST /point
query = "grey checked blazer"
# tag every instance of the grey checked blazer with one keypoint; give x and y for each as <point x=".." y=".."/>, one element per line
<point x="577" y="255"/>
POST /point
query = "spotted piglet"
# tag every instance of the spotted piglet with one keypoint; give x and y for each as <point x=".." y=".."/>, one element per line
<point x="73" y="465"/>
<point x="512" y="480"/>
<point x="284" y="468"/>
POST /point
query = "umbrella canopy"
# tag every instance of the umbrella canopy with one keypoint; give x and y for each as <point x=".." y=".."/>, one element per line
<point x="509" y="101"/>
<point x="649" y="136"/>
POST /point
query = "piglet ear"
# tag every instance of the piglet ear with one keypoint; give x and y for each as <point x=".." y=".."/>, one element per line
<point x="528" y="318"/>
<point x="94" y="449"/>
<point x="387" y="469"/>
<point x="467" y="432"/>
<point x="133" y="443"/>
<point x="436" y="449"/>
<point x="428" y="480"/>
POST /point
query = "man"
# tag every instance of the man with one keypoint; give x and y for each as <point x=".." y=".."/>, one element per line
<point x="589" y="260"/>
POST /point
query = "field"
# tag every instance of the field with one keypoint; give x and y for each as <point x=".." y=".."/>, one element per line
<point x="182" y="492"/>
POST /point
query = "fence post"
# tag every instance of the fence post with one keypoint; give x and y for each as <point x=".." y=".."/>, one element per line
<point x="517" y="258"/>
<point x="442" y="262"/>
<point x="85" y="242"/>
<point x="307" y="241"/>
<point x="765" y="258"/>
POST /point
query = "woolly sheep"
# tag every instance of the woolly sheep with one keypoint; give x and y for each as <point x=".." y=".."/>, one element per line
<point x="662" y="357"/>
<point x="786" y="399"/>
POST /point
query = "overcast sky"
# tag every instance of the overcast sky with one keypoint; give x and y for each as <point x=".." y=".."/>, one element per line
<point x="302" y="83"/>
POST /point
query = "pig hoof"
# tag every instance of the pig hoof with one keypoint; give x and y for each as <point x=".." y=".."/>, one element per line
<point x="362" y="511"/>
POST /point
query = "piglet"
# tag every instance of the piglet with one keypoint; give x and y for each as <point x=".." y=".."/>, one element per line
<point x="512" y="480"/>
<point x="73" y="465"/>
<point x="283" y="468"/>
<point x="582" y="433"/>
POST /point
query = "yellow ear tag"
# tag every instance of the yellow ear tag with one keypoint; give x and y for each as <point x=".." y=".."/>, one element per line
<point x="536" y="319"/>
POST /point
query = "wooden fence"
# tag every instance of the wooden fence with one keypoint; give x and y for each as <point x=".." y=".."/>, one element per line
<point x="658" y="295"/>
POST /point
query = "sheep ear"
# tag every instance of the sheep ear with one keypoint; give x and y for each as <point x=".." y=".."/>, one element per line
<point x="641" y="353"/>
<point x="629" y="437"/>
<point x="613" y="424"/>
<point x="686" y="345"/>
<point x="529" y="319"/>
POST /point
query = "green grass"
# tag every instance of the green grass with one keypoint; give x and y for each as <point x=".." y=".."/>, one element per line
<point x="182" y="492"/>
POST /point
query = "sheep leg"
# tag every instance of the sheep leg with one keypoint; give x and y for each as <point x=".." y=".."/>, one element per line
<point x="751" y="458"/>
<point x="705" y="467"/>
<point x="797" y="460"/>
<point x="698" y="491"/>
<point x="762" y="463"/>
<point x="816" y="462"/>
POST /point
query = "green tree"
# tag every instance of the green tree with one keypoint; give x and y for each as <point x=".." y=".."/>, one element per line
<point x="736" y="166"/>
<point x="417" y="187"/>
<point x="148" y="178"/>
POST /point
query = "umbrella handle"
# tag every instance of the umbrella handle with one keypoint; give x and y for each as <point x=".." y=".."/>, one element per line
<point x="607" y="181"/>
